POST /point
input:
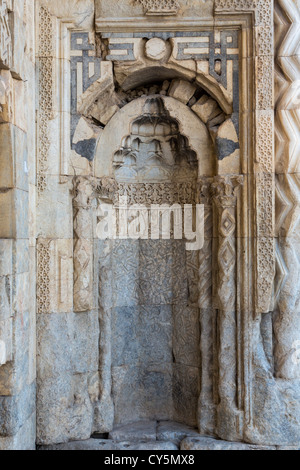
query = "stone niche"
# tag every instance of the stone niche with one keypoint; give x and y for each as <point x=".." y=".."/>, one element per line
<point x="153" y="287"/>
<point x="170" y="102"/>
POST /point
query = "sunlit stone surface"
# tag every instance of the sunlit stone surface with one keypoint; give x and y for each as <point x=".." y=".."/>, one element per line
<point x="158" y="335"/>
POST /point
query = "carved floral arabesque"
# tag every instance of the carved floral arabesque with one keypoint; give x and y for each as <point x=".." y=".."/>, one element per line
<point x="224" y="194"/>
<point x="46" y="38"/>
<point x="157" y="193"/>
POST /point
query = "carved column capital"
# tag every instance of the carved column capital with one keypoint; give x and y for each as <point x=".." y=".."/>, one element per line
<point x="204" y="190"/>
<point x="84" y="192"/>
<point x="107" y="188"/>
<point x="224" y="190"/>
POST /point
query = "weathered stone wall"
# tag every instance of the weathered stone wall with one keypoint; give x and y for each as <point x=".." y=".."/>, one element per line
<point x="67" y="356"/>
<point x="225" y="78"/>
<point x="75" y="80"/>
<point x="17" y="219"/>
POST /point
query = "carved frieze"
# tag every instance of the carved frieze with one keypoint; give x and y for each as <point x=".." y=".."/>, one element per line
<point x="158" y="193"/>
<point x="54" y="276"/>
<point x="216" y="52"/>
<point x="84" y="195"/>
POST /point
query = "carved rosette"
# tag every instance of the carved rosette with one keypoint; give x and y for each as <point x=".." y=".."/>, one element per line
<point x="43" y="277"/>
<point x="224" y="191"/>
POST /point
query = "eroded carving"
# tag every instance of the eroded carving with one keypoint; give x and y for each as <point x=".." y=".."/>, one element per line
<point x="155" y="150"/>
<point x="225" y="202"/>
<point x="154" y="306"/>
<point x="287" y="295"/>
<point x="84" y="194"/>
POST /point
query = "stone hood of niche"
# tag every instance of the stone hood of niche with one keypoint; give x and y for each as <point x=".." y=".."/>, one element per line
<point x="154" y="130"/>
<point x="155" y="148"/>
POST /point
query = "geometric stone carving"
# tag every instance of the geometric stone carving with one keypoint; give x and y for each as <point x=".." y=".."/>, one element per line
<point x="160" y="7"/>
<point x="216" y="54"/>
<point x="55" y="276"/>
<point x="265" y="273"/>
<point x="280" y="277"/>
<point x="46" y="93"/>
<point x="207" y="397"/>
<point x="263" y="11"/>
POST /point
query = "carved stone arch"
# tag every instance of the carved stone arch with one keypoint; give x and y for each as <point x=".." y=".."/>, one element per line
<point x="141" y="74"/>
<point x="103" y="90"/>
<point x="116" y="110"/>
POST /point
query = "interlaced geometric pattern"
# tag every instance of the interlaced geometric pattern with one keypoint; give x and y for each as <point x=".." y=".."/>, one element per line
<point x="43" y="278"/>
<point x="160" y="6"/>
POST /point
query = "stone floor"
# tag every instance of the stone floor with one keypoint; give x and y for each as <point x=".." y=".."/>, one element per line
<point x="153" y="435"/>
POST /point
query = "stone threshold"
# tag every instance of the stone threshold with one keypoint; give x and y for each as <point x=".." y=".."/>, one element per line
<point x="156" y="435"/>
